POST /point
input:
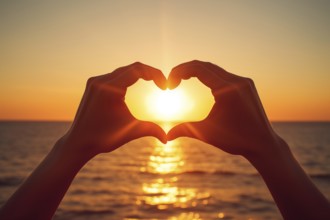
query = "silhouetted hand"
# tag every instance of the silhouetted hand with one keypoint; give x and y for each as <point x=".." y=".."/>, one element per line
<point x="103" y="122"/>
<point x="237" y="122"/>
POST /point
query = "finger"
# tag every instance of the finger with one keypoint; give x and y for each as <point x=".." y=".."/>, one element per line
<point x="136" y="71"/>
<point x="194" y="69"/>
<point x="184" y="130"/>
<point x="229" y="77"/>
<point x="114" y="74"/>
<point x="144" y="129"/>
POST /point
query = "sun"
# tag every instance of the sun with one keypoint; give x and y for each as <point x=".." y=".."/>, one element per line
<point x="168" y="105"/>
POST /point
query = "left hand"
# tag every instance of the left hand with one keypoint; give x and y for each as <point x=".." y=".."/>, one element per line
<point x="103" y="122"/>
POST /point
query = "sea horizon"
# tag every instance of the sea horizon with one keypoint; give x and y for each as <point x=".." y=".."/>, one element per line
<point x="159" y="121"/>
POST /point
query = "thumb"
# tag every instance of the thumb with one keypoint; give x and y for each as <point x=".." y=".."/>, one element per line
<point x="145" y="128"/>
<point x="183" y="130"/>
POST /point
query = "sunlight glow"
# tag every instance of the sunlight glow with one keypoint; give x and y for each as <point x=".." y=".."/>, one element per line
<point x="168" y="105"/>
<point x="166" y="159"/>
<point x="164" y="192"/>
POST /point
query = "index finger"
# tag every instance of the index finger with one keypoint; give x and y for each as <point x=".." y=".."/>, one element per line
<point x="136" y="71"/>
<point x="195" y="69"/>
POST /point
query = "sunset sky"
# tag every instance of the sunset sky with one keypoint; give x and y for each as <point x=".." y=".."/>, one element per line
<point x="50" y="48"/>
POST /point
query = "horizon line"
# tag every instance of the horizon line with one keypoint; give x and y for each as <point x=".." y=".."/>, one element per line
<point x="156" y="121"/>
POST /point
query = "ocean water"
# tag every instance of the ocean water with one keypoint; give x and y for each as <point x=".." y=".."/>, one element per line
<point x="144" y="179"/>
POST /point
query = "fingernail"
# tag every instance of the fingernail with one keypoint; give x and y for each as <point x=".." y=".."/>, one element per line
<point x="170" y="85"/>
<point x="169" y="138"/>
<point x="167" y="84"/>
<point x="164" y="140"/>
<point x="164" y="86"/>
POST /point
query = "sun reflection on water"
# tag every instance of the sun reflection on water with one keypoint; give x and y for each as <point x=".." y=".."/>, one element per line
<point x="167" y="158"/>
<point x="163" y="193"/>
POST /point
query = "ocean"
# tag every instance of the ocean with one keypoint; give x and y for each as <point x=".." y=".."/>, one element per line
<point x="145" y="179"/>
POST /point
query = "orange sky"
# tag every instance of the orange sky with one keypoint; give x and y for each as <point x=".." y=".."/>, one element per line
<point x="49" y="49"/>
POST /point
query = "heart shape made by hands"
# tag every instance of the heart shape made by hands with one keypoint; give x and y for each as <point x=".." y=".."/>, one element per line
<point x="191" y="101"/>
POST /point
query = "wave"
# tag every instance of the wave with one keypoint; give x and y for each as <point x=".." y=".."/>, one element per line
<point x="203" y="172"/>
<point x="321" y="176"/>
<point x="10" y="181"/>
<point x="226" y="173"/>
<point x="93" y="212"/>
<point x="87" y="212"/>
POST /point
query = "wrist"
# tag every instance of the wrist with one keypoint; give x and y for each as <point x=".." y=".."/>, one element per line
<point x="70" y="152"/>
<point x="273" y="153"/>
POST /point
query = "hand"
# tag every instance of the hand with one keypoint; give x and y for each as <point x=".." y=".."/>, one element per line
<point x="237" y="122"/>
<point x="103" y="122"/>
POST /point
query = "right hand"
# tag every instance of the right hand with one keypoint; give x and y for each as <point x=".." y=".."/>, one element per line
<point x="237" y="122"/>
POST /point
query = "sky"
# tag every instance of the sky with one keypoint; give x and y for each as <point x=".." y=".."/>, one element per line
<point x="50" y="48"/>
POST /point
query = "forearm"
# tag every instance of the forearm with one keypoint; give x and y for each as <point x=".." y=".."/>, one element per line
<point x="39" y="196"/>
<point x="292" y="189"/>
